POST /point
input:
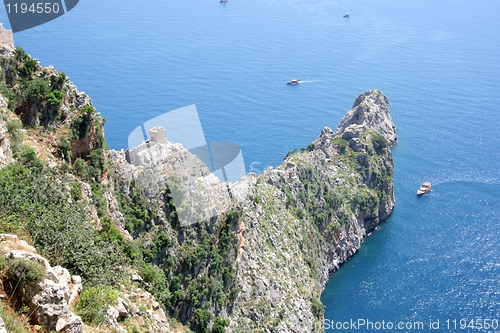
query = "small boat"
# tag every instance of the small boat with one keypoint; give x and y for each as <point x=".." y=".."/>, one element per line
<point x="293" y="81"/>
<point x="424" y="188"/>
<point x="223" y="1"/>
<point x="346" y="15"/>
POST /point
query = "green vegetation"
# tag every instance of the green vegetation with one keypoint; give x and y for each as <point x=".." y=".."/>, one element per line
<point x="14" y="323"/>
<point x="58" y="81"/>
<point x="8" y="93"/>
<point x="27" y="65"/>
<point x="35" y="202"/>
<point x="64" y="149"/>
<point x="80" y="126"/>
<point x="220" y="325"/>
<point x="25" y="270"/>
<point x="317" y="307"/>
<point x="76" y="191"/>
<point x="341" y="144"/>
<point x="379" y="143"/>
<point x="34" y="90"/>
<point x="13" y="126"/>
<point x="55" y="97"/>
<point x="94" y="302"/>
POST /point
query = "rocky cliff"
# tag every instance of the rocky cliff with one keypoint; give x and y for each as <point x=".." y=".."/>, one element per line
<point x="50" y="296"/>
<point x="310" y="215"/>
<point x="295" y="225"/>
<point x="256" y="260"/>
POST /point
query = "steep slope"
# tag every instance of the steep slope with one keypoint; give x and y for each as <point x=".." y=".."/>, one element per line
<point x="310" y="215"/>
<point x="259" y="265"/>
<point x="264" y="263"/>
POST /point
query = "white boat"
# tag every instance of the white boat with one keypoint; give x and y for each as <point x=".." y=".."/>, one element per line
<point x="424" y="188"/>
<point x="346" y="15"/>
<point x="293" y="81"/>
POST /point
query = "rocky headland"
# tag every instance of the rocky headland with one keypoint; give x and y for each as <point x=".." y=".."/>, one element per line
<point x="259" y="264"/>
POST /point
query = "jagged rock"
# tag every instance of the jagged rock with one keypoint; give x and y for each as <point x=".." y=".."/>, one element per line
<point x="6" y="42"/>
<point x="126" y="307"/>
<point x="275" y="264"/>
<point x="371" y="109"/>
<point x="5" y="146"/>
<point x="49" y="299"/>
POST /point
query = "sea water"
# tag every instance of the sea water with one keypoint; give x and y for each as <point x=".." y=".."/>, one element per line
<point x="436" y="258"/>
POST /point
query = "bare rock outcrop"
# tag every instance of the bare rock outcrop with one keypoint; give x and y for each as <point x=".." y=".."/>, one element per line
<point x="310" y="215"/>
<point x="151" y="316"/>
<point x="371" y="109"/>
<point x="6" y="41"/>
<point x="5" y="146"/>
<point x="51" y="298"/>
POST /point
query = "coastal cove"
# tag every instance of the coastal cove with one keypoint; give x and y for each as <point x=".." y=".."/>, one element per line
<point x="436" y="257"/>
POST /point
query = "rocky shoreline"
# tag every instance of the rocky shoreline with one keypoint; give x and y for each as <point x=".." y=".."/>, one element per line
<point x="259" y="264"/>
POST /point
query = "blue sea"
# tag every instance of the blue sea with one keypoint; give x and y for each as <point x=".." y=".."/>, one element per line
<point x="436" y="259"/>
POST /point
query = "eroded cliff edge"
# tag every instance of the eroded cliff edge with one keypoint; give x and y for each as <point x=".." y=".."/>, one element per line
<point x="260" y="266"/>
<point x="310" y="215"/>
<point x="272" y="253"/>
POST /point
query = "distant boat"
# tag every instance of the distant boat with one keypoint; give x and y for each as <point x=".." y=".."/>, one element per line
<point x="424" y="188"/>
<point x="293" y="81"/>
<point x="345" y="15"/>
<point x="223" y="1"/>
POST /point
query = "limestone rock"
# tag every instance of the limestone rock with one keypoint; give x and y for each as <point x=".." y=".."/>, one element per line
<point x="3" y="329"/>
<point x="6" y="39"/>
<point x="153" y="317"/>
<point x="5" y="146"/>
<point x="371" y="109"/>
<point x="50" y="298"/>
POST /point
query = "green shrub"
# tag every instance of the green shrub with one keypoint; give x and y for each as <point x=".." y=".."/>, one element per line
<point x="80" y="126"/>
<point x="27" y="156"/>
<point x="64" y="149"/>
<point x="28" y="67"/>
<point x="28" y="64"/>
<point x="55" y="97"/>
<point x="81" y="168"/>
<point x="220" y="325"/>
<point x="158" y="281"/>
<point x="201" y="319"/>
<point x="3" y="262"/>
<point x="25" y="270"/>
<point x="379" y="143"/>
<point x="7" y="92"/>
<point x="76" y="191"/>
<point x="35" y="202"/>
<point x="317" y="307"/>
<point x="341" y="144"/>
<point x="94" y="302"/>
<point x="14" y="323"/>
<point x="34" y="90"/>
<point x="291" y="152"/>
<point x="58" y="81"/>
<point x="14" y="125"/>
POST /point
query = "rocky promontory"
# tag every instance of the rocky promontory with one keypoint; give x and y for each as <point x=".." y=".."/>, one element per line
<point x="295" y="226"/>
<point x="256" y="258"/>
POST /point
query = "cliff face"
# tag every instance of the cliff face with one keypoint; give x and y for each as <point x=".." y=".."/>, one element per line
<point x="296" y="225"/>
<point x="310" y="215"/>
<point x="51" y="296"/>
<point x="371" y="109"/>
<point x="5" y="146"/>
<point x="262" y="251"/>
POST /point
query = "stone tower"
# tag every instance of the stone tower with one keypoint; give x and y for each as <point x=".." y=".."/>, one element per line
<point x="158" y="134"/>
<point x="6" y="38"/>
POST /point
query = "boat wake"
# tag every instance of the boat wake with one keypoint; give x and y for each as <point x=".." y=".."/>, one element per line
<point x="309" y="81"/>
